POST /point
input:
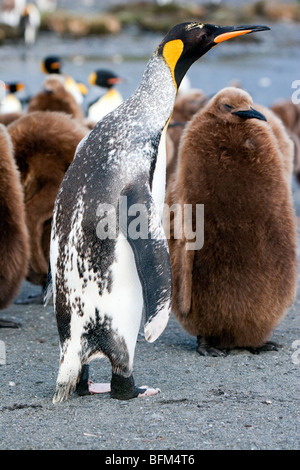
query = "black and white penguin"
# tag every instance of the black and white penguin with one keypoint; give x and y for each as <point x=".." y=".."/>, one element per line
<point x="10" y="102"/>
<point x="30" y="22"/>
<point x="108" y="101"/>
<point x="107" y="263"/>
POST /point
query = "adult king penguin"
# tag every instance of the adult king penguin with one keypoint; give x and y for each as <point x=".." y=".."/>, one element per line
<point x="100" y="285"/>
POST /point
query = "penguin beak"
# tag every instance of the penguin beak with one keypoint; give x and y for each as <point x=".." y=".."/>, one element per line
<point x="250" y="114"/>
<point x="227" y="32"/>
<point x="115" y="80"/>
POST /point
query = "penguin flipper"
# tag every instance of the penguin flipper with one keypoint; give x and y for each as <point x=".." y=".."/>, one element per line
<point x="150" y="249"/>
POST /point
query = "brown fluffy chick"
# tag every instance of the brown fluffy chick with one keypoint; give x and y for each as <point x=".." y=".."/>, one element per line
<point x="289" y="113"/>
<point x="233" y="291"/>
<point x="14" y="246"/>
<point x="44" y="144"/>
<point x="55" y="97"/>
<point x="8" y="118"/>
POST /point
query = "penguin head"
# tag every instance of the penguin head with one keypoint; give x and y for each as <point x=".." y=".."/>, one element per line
<point x="233" y="105"/>
<point x="51" y="64"/>
<point x="54" y="85"/>
<point x="104" y="78"/>
<point x="14" y="87"/>
<point x="187" y="42"/>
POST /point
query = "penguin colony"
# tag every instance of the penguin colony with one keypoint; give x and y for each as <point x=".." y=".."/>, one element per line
<point x="101" y="285"/>
<point x="238" y="163"/>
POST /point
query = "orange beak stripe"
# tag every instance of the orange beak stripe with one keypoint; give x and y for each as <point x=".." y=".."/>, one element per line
<point x="225" y="36"/>
<point x="112" y="81"/>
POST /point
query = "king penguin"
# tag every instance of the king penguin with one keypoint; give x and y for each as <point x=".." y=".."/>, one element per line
<point x="110" y="100"/>
<point x="10" y="102"/>
<point x="103" y="280"/>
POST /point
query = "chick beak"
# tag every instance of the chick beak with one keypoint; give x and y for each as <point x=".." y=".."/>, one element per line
<point x="227" y="32"/>
<point x="250" y="114"/>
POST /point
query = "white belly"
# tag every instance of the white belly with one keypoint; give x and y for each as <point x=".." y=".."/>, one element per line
<point x="123" y="304"/>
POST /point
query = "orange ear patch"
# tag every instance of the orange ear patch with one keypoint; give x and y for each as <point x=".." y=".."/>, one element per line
<point x="171" y="53"/>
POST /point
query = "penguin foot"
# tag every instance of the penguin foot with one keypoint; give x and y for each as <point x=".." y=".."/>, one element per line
<point x="88" y="387"/>
<point x="94" y="388"/>
<point x="205" y="349"/>
<point x="268" y="346"/>
<point x="123" y="388"/>
<point x="149" y="392"/>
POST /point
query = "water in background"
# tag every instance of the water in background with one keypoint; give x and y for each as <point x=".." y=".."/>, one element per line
<point x="266" y="67"/>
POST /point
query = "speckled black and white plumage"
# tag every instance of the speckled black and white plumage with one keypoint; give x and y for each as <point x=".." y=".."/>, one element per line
<point x="100" y="286"/>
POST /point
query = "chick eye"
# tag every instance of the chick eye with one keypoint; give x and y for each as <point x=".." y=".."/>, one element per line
<point x="228" y="107"/>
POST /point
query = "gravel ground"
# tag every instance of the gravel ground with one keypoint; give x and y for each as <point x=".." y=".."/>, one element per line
<point x="241" y="401"/>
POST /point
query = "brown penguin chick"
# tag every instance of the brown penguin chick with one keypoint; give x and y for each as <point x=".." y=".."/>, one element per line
<point x="14" y="246"/>
<point x="44" y="144"/>
<point x="289" y="113"/>
<point x="186" y="105"/>
<point x="55" y="97"/>
<point x="8" y="118"/>
<point x="232" y="292"/>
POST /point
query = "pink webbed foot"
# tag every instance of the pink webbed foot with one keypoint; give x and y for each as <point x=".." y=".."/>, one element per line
<point x="149" y="392"/>
<point x="98" y="387"/>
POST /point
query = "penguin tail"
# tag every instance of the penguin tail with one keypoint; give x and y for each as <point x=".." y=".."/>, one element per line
<point x="156" y="324"/>
<point x="48" y="289"/>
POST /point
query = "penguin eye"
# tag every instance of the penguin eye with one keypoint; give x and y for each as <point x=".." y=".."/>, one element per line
<point x="228" y="107"/>
<point x="204" y="37"/>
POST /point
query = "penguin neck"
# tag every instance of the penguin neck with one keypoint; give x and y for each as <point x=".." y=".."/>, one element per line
<point x="154" y="99"/>
<point x="156" y="93"/>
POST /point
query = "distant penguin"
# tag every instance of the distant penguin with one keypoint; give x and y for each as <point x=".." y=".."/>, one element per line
<point x="10" y="103"/>
<point x="105" y="265"/>
<point x="55" y="97"/>
<point x="44" y="146"/>
<point x="110" y="100"/>
<point x="14" y="246"/>
<point x="53" y="65"/>
<point x="233" y="291"/>
<point x="289" y="113"/>
<point x="11" y="11"/>
<point x="30" y="23"/>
